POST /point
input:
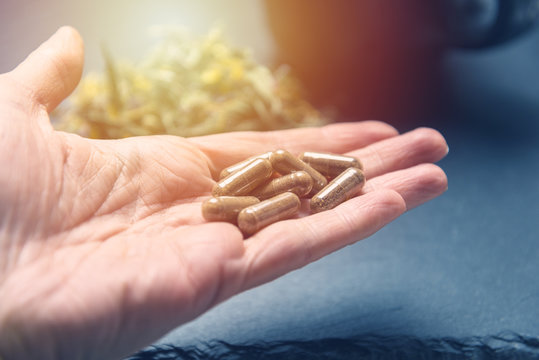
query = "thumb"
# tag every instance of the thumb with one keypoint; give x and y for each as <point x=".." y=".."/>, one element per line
<point x="53" y="70"/>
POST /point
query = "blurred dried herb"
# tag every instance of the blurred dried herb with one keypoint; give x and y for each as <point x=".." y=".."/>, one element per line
<point x="186" y="86"/>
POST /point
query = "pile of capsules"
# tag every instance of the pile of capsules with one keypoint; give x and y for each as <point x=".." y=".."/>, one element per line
<point x="267" y="188"/>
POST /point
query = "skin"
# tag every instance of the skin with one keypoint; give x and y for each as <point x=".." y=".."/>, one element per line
<point x="103" y="248"/>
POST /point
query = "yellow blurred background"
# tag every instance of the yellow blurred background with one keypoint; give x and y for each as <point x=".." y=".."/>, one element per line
<point x="123" y="25"/>
<point x="131" y="88"/>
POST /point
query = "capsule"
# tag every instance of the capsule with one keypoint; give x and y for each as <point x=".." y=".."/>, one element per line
<point x="340" y="189"/>
<point x="233" y="168"/>
<point x="299" y="183"/>
<point x="285" y="163"/>
<point x="243" y="181"/>
<point x="226" y="208"/>
<point x="330" y="165"/>
<point x="280" y="207"/>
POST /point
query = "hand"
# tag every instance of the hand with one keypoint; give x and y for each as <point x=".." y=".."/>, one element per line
<point x="103" y="246"/>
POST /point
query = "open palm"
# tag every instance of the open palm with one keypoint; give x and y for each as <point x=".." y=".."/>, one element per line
<point x="103" y="246"/>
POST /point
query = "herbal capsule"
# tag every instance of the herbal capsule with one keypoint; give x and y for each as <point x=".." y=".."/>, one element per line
<point x="233" y="168"/>
<point x="330" y="165"/>
<point x="280" y="207"/>
<point x="243" y="181"/>
<point x="299" y="182"/>
<point x="342" y="188"/>
<point x="226" y="208"/>
<point x="285" y="163"/>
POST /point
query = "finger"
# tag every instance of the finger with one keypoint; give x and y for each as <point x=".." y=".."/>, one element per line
<point x="290" y="244"/>
<point x="54" y="69"/>
<point x="416" y="185"/>
<point x="226" y="149"/>
<point x="418" y="146"/>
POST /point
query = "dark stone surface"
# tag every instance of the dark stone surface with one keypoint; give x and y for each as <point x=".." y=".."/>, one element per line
<point x="462" y="269"/>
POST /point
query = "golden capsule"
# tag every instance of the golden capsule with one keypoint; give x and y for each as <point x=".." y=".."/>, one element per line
<point x="243" y="181"/>
<point x="226" y="208"/>
<point x="285" y="163"/>
<point x="280" y="207"/>
<point x="233" y="168"/>
<point x="342" y="188"/>
<point x="299" y="183"/>
<point x="330" y="165"/>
